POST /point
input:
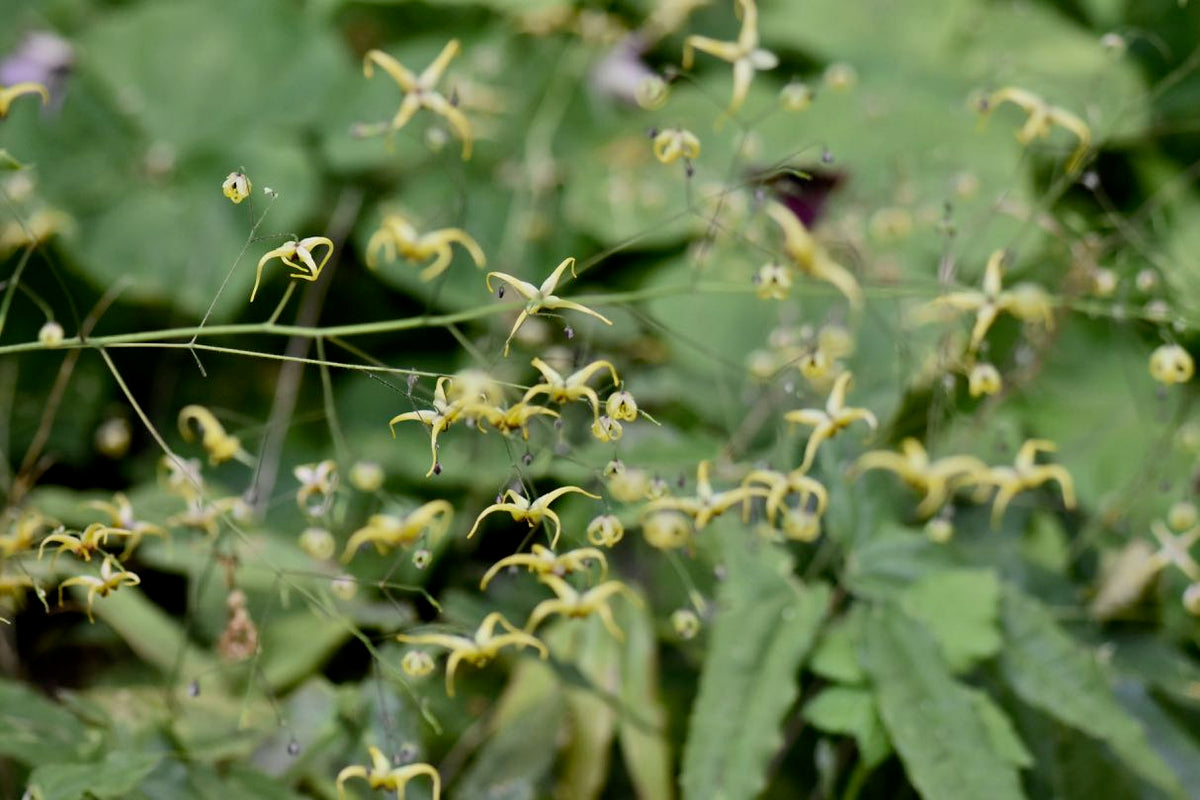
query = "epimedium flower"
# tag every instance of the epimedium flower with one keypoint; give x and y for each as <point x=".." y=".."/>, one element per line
<point x="120" y="515"/>
<point x="439" y="418"/>
<point x="1042" y="118"/>
<point x="237" y="187"/>
<point x="667" y="529"/>
<point x="420" y="91"/>
<point x="984" y="379"/>
<point x="774" y="282"/>
<point x="779" y="485"/>
<point x="1171" y="364"/>
<point x="83" y="545"/>
<point x="544" y="561"/>
<point x="829" y="421"/>
<point x="318" y="482"/>
<point x="386" y="531"/>
<point x="382" y="775"/>
<point x="479" y="648"/>
<point x="605" y="530"/>
<point x="531" y="512"/>
<point x="219" y="445"/>
<point x="573" y="387"/>
<point x="541" y="297"/>
<point x="809" y="256"/>
<point x="1025" y="474"/>
<point x="10" y="93"/>
<point x="306" y="269"/>
<point x="621" y="406"/>
<point x="706" y="504"/>
<point x="744" y="54"/>
<point x="514" y="418"/>
<point x="607" y="429"/>
<point x="396" y="235"/>
<point x="570" y="602"/>
<point x="1026" y="301"/>
<point x="112" y="577"/>
<point x="672" y="144"/>
<point x="936" y="480"/>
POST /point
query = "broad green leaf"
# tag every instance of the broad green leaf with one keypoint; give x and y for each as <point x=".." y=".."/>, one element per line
<point x="7" y="162"/>
<point x="35" y="730"/>
<point x="765" y="625"/>
<point x="1175" y="741"/>
<point x="295" y="645"/>
<point x="851" y="712"/>
<point x="515" y="759"/>
<point x="1004" y="738"/>
<point x="641" y="727"/>
<point x="836" y="655"/>
<point x="933" y="721"/>
<point x="959" y="608"/>
<point x="882" y="566"/>
<point x="111" y="779"/>
<point x="1052" y="672"/>
<point x="591" y="718"/>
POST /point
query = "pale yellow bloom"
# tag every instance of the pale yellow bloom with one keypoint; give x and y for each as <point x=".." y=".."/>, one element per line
<point x="480" y="648"/>
<point x="744" y="54"/>
<point x="396" y="235"/>
<point x="541" y="297"/>
<point x="830" y="421"/>
<point x="382" y="775"/>
<point x="420" y="91"/>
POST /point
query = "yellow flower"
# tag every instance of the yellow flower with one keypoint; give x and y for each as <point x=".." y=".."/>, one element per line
<point x="531" y="512"/>
<point x="1025" y="474"/>
<point x="707" y="504"/>
<point x="809" y="256"/>
<point x="112" y="577"/>
<point x="1175" y="550"/>
<point x="774" y="282"/>
<point x="569" y="602"/>
<point x="667" y="530"/>
<point x="544" y="561"/>
<point x="607" y="429"/>
<point x="621" y="406"/>
<point x="514" y="418"/>
<point x="382" y="775"/>
<point x="745" y="54"/>
<point x="438" y="418"/>
<point x="120" y="515"/>
<point x="316" y="480"/>
<point x="89" y="541"/>
<point x="386" y="530"/>
<point x="934" y="479"/>
<point x="219" y="445"/>
<point x="780" y="485"/>
<point x="10" y="93"/>
<point x="1042" y="118"/>
<point x="1026" y="301"/>
<point x="236" y="187"/>
<point x="796" y="96"/>
<point x="828" y="422"/>
<point x="397" y="235"/>
<point x="573" y="387"/>
<point x="672" y="144"/>
<point x="605" y="530"/>
<point x="420" y="92"/>
<point x="480" y="648"/>
<point x="307" y="269"/>
<point x="1171" y="364"/>
<point x="539" y="298"/>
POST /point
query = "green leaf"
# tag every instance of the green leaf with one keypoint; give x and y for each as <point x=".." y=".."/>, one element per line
<point x="35" y="730"/>
<point x="1005" y="740"/>
<point x="836" y="654"/>
<point x="7" y="162"/>
<point x="591" y="718"/>
<point x="641" y="728"/>
<point x="889" y="561"/>
<point x="1052" y="672"/>
<point x="765" y="626"/>
<point x="960" y="608"/>
<point x="933" y="721"/>
<point x="114" y="777"/>
<point x="851" y="711"/>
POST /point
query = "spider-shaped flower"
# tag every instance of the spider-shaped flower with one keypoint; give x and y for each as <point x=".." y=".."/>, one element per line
<point x="306" y="269"/>
<point x="396" y="235"/>
<point x="514" y="418"/>
<point x="1175" y="549"/>
<point x="219" y="445"/>
<point x="1042" y="118"/>
<point x="317" y="482"/>
<point x="531" y="512"/>
<point x="386" y="531"/>
<point x="706" y="504"/>
<point x="573" y="387"/>
<point x="206" y="517"/>
<point x="539" y="298"/>
<point x="120" y="515"/>
<point x="439" y="418"/>
<point x="420" y="92"/>
<point x="809" y="255"/>
<point x="479" y="649"/>
<point x="569" y="602"/>
<point x="10" y="93"/>
<point x="112" y="577"/>
<point x="935" y="479"/>
<point x="545" y="561"/>
<point x="672" y="144"/>
<point x="1025" y="474"/>
<point x="382" y="775"/>
<point x="828" y="422"/>
<point x="1026" y="301"/>
<point x="22" y="533"/>
<point x="88" y="542"/>
<point x="745" y="54"/>
<point x="779" y="485"/>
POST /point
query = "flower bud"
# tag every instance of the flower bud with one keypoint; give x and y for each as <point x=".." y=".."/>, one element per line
<point x="236" y="187"/>
<point x="416" y="663"/>
<point x="1171" y="364"/>
<point x="605" y="531"/>
<point x="51" y="334"/>
<point x="685" y="623"/>
<point x="318" y="543"/>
